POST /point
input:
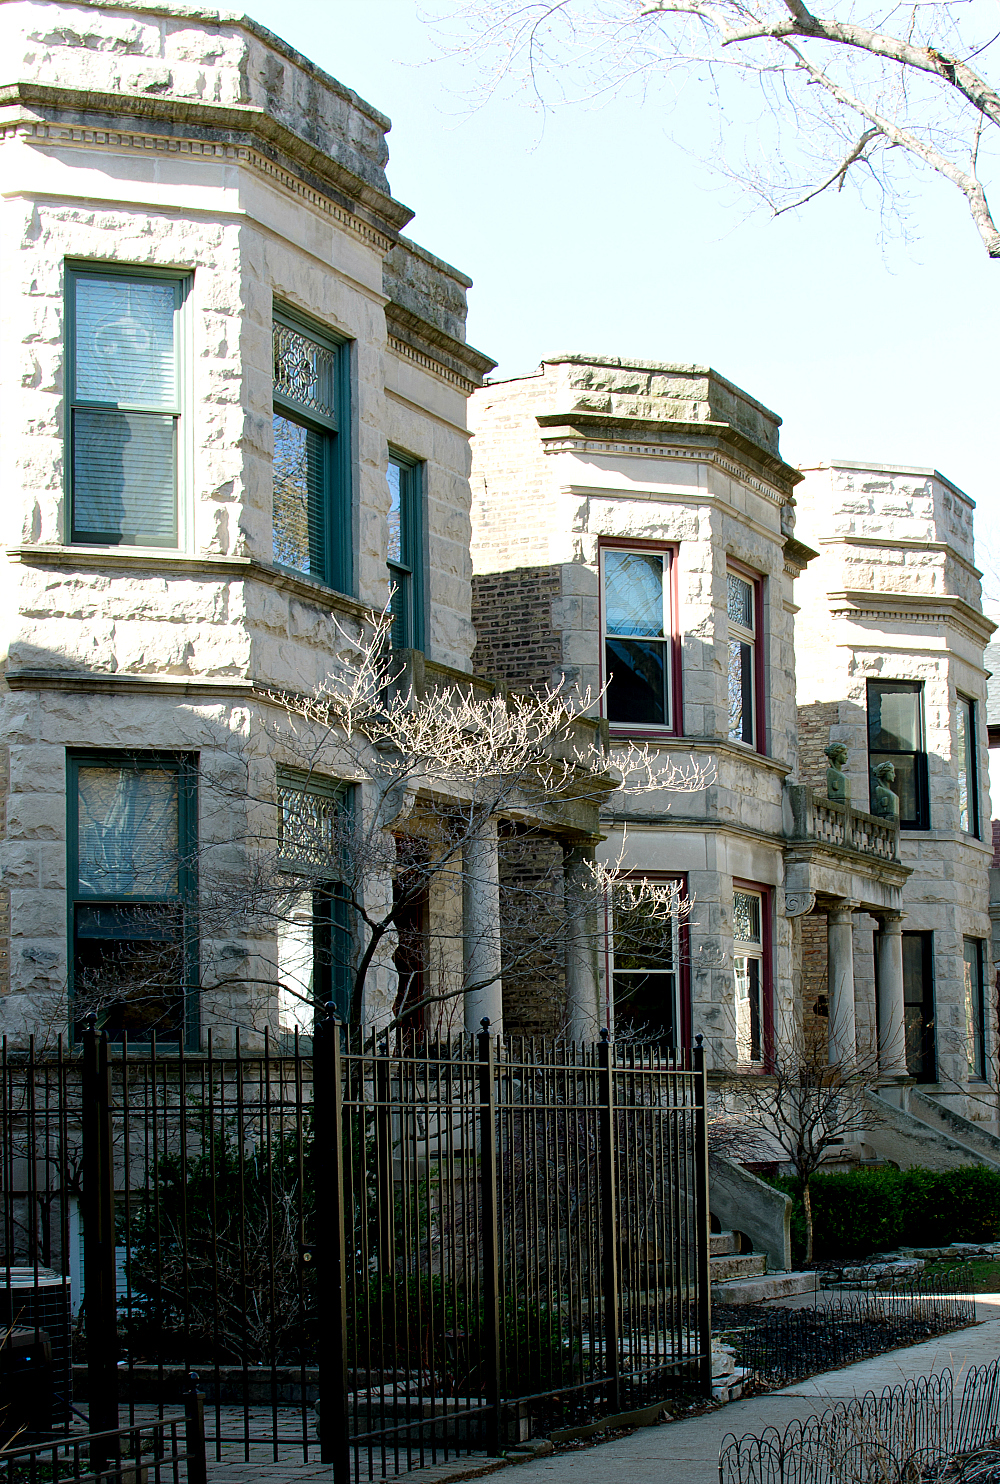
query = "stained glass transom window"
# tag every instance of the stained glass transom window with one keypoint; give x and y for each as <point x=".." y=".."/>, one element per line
<point x="746" y="917"/>
<point x="304" y="372"/>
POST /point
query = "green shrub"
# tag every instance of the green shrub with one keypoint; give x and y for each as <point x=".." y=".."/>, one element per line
<point x="874" y="1210"/>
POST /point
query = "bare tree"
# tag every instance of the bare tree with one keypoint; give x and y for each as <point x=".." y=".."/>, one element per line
<point x="867" y="95"/>
<point x="315" y="879"/>
<point x="807" y="1107"/>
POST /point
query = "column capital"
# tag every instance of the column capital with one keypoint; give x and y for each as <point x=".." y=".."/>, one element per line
<point x="838" y="910"/>
<point x="891" y="922"/>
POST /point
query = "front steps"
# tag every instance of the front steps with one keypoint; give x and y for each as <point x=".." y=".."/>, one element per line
<point x="742" y="1277"/>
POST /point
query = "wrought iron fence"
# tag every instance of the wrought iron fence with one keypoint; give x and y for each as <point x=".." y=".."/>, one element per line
<point x="170" y="1450"/>
<point x="780" y="1346"/>
<point x="448" y="1246"/>
<point x="921" y="1431"/>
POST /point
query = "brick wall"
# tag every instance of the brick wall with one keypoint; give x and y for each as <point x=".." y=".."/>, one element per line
<point x="512" y="614"/>
<point x="815" y="722"/>
<point x="532" y="934"/>
<point x="815" y="1026"/>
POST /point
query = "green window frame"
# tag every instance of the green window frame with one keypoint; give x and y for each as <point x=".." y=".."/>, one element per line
<point x="128" y="405"/>
<point x="311" y="504"/>
<point x="404" y="552"/>
<point x="131" y="833"/>
<point x="315" y="955"/>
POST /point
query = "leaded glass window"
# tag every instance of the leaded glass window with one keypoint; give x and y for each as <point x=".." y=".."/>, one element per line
<point x="311" y="526"/>
<point x="748" y="976"/>
<point x="132" y="890"/>
<point x="975" y="1006"/>
<point x="637" y="637"/>
<point x="124" y="378"/>
<point x="314" y="940"/>
<point x="741" y="610"/>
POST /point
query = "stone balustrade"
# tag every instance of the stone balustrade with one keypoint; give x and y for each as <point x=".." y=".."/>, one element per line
<point x="824" y="822"/>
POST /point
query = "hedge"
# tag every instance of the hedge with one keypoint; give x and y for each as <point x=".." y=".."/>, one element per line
<point x="878" y="1209"/>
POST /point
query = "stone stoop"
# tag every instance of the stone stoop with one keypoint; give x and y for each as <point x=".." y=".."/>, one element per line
<point x="759" y="1290"/>
<point x="722" y="1244"/>
<point x="746" y="1265"/>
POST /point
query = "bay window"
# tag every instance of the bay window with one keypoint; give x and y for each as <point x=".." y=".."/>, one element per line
<point x="749" y="942"/>
<point x="741" y="608"/>
<point x="896" y="735"/>
<point x="313" y="920"/>
<point x="968" y="769"/>
<point x="404" y="556"/>
<point x="645" y="971"/>
<point x="975" y="1007"/>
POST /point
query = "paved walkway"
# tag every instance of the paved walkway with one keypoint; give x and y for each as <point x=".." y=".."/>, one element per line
<point x="688" y="1452"/>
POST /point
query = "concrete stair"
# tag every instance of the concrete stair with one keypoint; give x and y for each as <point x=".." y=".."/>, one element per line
<point x="742" y="1277"/>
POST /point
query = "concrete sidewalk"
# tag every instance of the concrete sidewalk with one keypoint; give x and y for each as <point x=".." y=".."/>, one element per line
<point x="688" y="1452"/>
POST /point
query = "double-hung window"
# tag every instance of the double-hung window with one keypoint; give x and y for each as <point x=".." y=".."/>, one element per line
<point x="975" y="1007"/>
<point x="313" y="919"/>
<point x="645" y="980"/>
<point x="311" y="510"/>
<point x="741" y="608"/>
<point x="125" y="341"/>
<point x="896" y="735"/>
<point x="637" y="637"/>
<point x="968" y="770"/>
<point x="132" y="825"/>
<point x="918" y="1005"/>
<point x="404" y="552"/>
<point x="749" y="928"/>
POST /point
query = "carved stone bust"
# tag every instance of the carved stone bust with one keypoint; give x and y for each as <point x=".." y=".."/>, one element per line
<point x="885" y="803"/>
<point x="838" y="787"/>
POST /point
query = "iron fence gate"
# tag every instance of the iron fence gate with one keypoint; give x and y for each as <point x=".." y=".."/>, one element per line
<point x="449" y="1246"/>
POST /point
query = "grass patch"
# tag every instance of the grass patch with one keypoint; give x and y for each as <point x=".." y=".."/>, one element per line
<point x="984" y="1274"/>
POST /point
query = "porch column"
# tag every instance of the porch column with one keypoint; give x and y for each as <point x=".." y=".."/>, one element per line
<point x="583" y="994"/>
<point x="891" y="1014"/>
<point x="840" y="981"/>
<point x="481" y="929"/>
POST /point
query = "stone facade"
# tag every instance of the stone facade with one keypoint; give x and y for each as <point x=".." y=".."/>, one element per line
<point x="591" y="453"/>
<point x="164" y="137"/>
<point x="592" y="450"/>
<point x="895" y="595"/>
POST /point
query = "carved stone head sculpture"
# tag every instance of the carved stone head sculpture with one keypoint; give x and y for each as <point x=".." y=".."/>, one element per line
<point x="838" y="787"/>
<point x="885" y="803"/>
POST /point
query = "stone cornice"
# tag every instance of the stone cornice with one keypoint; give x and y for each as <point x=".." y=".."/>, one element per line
<point x="707" y="442"/>
<point x="127" y="123"/>
<point x="119" y="683"/>
<point x="886" y="543"/>
<point x="858" y="605"/>
<point x="695" y="824"/>
<point x="797" y="556"/>
<point x="163" y="563"/>
<point x="718" y="745"/>
<point x="810" y="852"/>
<point x="415" y="339"/>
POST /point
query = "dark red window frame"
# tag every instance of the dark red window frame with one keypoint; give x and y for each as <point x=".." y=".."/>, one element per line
<point x="624" y="729"/>
<point x="766" y="894"/>
<point x="759" y="712"/>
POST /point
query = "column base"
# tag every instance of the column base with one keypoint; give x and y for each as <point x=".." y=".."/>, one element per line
<point x="896" y="1089"/>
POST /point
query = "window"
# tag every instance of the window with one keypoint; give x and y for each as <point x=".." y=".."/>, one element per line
<point x="637" y="637"/>
<point x="403" y="556"/>
<point x="968" y="772"/>
<point x="132" y="891"/>
<point x="314" y="931"/>
<point x="645" y="982"/>
<point x="124" y="379"/>
<point x="895" y="735"/>
<point x="749" y="926"/>
<point x="918" y="1005"/>
<point x="975" y="1018"/>
<point x="741" y="603"/>
<point x="311" y="517"/>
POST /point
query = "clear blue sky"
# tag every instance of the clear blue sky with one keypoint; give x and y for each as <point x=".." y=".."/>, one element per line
<point x="591" y="231"/>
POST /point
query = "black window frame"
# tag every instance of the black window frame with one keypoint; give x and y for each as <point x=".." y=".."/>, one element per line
<point x="406" y="576"/>
<point x="927" y="1071"/>
<point x="922" y="818"/>
<point x="185" y="900"/>
<point x="975" y="1022"/>
<point x="969" y="766"/>
<point x="331" y="529"/>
